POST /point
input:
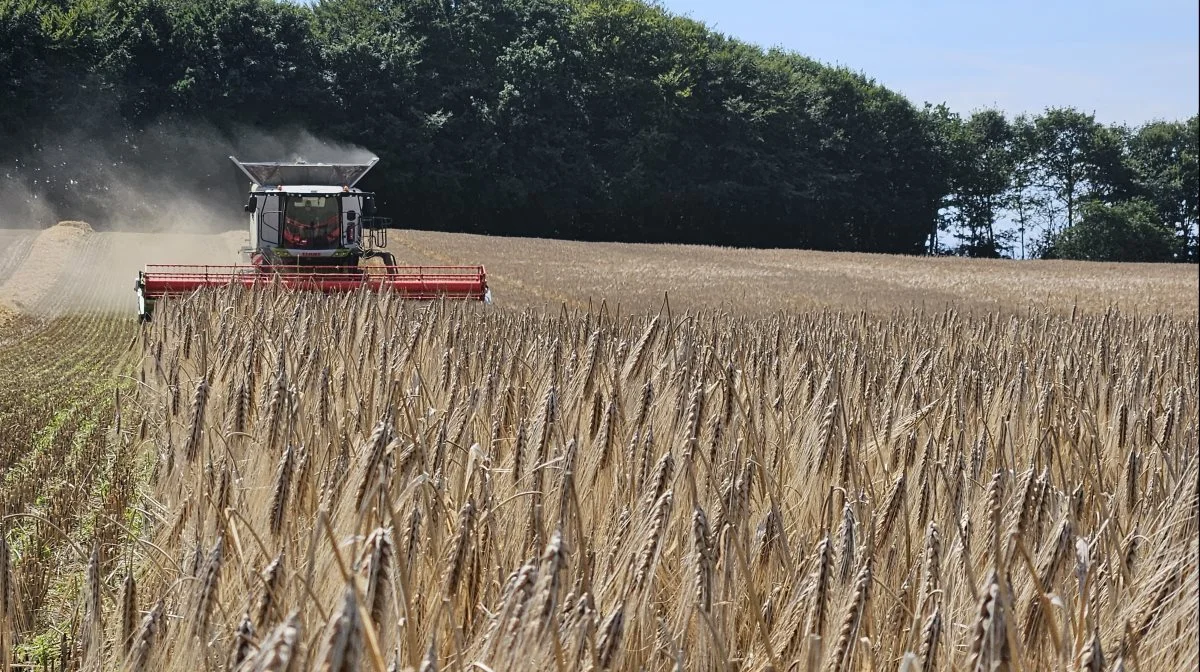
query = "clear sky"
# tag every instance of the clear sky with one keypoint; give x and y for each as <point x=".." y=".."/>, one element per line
<point x="1126" y="61"/>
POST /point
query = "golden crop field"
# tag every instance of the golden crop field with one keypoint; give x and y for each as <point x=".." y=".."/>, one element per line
<point x="797" y="461"/>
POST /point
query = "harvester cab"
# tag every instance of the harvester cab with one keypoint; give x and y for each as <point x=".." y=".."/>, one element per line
<point x="312" y="229"/>
<point x="298" y="219"/>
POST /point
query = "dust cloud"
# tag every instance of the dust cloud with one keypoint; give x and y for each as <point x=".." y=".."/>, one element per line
<point x="166" y="195"/>
<point x="21" y="208"/>
<point x="170" y="177"/>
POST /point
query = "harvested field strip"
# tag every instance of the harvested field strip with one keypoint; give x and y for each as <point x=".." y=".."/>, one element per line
<point x="86" y="286"/>
<point x="28" y="287"/>
<point x="432" y="485"/>
<point x="14" y="246"/>
<point x="56" y="427"/>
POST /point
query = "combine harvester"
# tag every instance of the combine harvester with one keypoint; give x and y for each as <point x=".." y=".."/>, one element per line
<point x="311" y="229"/>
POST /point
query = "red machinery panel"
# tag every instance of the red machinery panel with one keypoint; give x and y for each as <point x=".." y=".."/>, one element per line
<point x="413" y="282"/>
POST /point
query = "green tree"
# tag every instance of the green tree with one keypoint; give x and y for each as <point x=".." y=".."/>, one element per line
<point x="251" y="62"/>
<point x="983" y="160"/>
<point x="1126" y="231"/>
<point x="25" y="50"/>
<point x="1063" y="141"/>
<point x="371" y="52"/>
<point x="1108" y="173"/>
<point x="1076" y="159"/>
<point x="46" y="52"/>
<point x="1164" y="158"/>
<point x="1027" y="203"/>
<point x="138" y="58"/>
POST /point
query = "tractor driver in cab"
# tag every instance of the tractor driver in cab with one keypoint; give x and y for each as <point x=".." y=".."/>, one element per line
<point x="312" y="222"/>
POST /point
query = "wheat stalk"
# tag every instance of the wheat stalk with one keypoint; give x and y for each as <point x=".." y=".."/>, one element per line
<point x="279" y="493"/>
<point x="191" y="446"/>
<point x="128" y="610"/>
<point x="146" y="639"/>
<point x="842" y="656"/>
<point x="242" y="642"/>
<point x="206" y="597"/>
<point x="342" y="648"/>
<point x="989" y="643"/>
<point x="279" y="650"/>
<point x="931" y="635"/>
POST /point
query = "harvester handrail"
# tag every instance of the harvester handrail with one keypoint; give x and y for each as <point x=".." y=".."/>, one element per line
<point x="294" y="268"/>
<point x="217" y="272"/>
<point x="420" y="282"/>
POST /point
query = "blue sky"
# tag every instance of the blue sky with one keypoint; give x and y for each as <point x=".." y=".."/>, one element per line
<point x="1126" y="61"/>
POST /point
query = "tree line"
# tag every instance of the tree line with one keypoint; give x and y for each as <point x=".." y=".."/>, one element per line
<point x="585" y="119"/>
<point x="1069" y="186"/>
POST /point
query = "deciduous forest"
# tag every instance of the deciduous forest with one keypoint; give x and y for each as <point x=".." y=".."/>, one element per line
<point x="583" y="119"/>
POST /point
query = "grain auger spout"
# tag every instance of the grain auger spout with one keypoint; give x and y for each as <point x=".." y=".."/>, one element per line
<point x="311" y="229"/>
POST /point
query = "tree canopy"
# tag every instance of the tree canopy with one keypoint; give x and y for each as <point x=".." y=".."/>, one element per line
<point x="586" y="119"/>
<point x="1127" y="231"/>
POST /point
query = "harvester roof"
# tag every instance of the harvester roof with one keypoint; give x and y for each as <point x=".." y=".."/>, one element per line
<point x="309" y="189"/>
<point x="325" y="175"/>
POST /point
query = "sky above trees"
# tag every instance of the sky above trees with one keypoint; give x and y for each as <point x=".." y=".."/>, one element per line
<point x="1127" y="62"/>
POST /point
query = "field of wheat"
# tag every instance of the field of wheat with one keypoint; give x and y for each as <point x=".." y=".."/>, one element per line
<point x="273" y="481"/>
